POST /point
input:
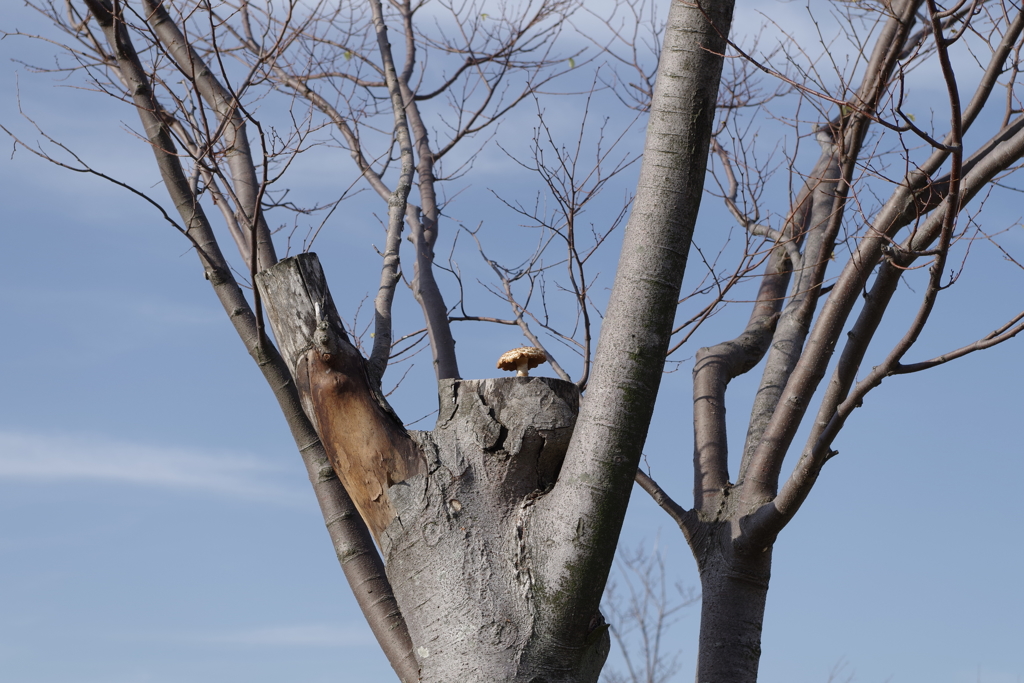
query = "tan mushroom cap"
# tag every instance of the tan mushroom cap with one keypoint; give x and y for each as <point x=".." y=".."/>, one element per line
<point x="522" y="360"/>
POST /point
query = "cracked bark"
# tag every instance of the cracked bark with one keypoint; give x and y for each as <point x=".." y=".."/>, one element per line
<point x="452" y="509"/>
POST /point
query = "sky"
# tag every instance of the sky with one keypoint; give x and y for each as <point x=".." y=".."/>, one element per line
<point x="156" y="524"/>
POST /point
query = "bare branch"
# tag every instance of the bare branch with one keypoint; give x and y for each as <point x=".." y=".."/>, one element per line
<point x="686" y="519"/>
<point x="1004" y="333"/>
<point x="359" y="558"/>
<point x="396" y="207"/>
<point x="233" y="127"/>
<point x="800" y="376"/>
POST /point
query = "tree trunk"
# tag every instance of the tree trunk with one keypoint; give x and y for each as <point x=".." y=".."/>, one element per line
<point x="451" y="508"/>
<point x="457" y="553"/>
<point x="734" y="587"/>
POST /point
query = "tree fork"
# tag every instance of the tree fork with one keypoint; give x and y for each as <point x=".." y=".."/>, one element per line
<point x="451" y="508"/>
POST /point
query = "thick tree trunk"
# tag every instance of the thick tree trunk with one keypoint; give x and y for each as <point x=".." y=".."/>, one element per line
<point x="450" y="508"/>
<point x="734" y="587"/>
<point x="457" y="552"/>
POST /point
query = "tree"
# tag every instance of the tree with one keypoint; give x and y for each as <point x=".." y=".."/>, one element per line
<point x="532" y="500"/>
<point x="496" y="571"/>
<point x="737" y="517"/>
<point x="641" y="610"/>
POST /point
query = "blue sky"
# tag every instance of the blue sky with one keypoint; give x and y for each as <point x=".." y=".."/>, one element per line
<point x="156" y="524"/>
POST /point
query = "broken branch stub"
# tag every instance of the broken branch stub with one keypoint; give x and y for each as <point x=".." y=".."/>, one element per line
<point x="365" y="441"/>
<point x="460" y="552"/>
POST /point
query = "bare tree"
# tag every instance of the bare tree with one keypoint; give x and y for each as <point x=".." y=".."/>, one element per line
<point x="641" y="609"/>
<point x="893" y="198"/>
<point x="497" y="529"/>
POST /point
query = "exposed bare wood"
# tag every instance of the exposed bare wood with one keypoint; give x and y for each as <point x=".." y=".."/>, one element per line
<point x="365" y="441"/>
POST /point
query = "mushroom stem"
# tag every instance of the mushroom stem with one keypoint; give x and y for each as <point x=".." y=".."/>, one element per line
<point x="523" y="367"/>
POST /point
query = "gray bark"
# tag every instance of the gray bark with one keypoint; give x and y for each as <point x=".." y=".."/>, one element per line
<point x="734" y="588"/>
<point x="424" y="236"/>
<point x="562" y="541"/>
<point x="497" y="578"/>
<point x="459" y="551"/>
<point x="495" y="587"/>
<point x="397" y="205"/>
<point x="453" y="508"/>
<point x="763" y="463"/>
<point x="499" y="525"/>
<point x="601" y="464"/>
<point x="811" y="218"/>
<point x="729" y="531"/>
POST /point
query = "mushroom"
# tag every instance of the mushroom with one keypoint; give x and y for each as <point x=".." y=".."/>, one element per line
<point x="523" y="359"/>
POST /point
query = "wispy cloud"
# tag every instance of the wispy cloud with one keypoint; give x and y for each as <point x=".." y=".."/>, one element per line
<point x="50" y="458"/>
<point x="292" y="635"/>
<point x="132" y="308"/>
<point x="306" y="635"/>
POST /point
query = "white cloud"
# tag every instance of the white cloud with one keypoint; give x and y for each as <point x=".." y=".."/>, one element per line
<point x="51" y="458"/>
<point x="293" y="635"/>
<point x="322" y="635"/>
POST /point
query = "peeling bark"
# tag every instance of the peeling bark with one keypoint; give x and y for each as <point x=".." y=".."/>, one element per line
<point x="365" y="441"/>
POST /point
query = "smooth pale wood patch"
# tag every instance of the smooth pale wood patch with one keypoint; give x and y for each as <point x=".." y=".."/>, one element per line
<point x="365" y="441"/>
<point x="368" y="450"/>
